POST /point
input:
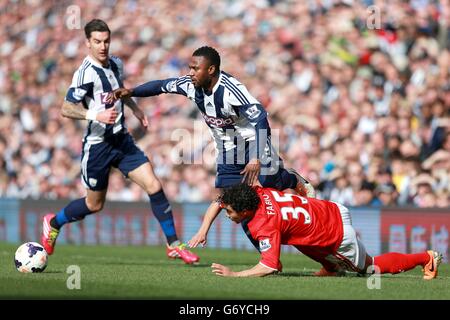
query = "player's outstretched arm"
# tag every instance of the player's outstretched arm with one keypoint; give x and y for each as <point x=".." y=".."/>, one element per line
<point x="201" y="235"/>
<point x="152" y="88"/>
<point x="148" y="89"/>
<point x="257" y="271"/>
<point x="121" y="93"/>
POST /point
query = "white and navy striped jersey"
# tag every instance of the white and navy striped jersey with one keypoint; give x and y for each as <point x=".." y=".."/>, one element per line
<point x="91" y="84"/>
<point x="231" y="113"/>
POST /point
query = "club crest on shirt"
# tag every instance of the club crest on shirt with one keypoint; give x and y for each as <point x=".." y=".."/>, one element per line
<point x="92" y="182"/>
<point x="264" y="245"/>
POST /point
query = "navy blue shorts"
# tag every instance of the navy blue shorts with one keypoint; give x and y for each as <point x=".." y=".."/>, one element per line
<point x="120" y="152"/>
<point x="229" y="175"/>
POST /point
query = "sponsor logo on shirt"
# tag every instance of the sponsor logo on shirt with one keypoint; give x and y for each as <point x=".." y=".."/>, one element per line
<point x="104" y="97"/>
<point x="218" y="122"/>
<point x="264" y="245"/>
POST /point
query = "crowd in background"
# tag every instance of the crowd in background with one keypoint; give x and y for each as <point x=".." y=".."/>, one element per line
<point x="358" y="93"/>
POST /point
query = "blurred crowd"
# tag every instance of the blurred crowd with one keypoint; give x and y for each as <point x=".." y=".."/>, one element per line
<point x="358" y="93"/>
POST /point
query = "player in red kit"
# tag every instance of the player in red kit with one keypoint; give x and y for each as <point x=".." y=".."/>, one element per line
<point x="320" y="229"/>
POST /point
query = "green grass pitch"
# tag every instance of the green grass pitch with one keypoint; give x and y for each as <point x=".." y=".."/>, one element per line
<point x="113" y="272"/>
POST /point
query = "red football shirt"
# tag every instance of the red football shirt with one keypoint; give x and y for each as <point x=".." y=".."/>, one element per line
<point x="309" y="224"/>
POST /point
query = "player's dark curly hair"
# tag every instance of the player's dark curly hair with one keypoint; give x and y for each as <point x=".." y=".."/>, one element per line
<point x="209" y="53"/>
<point x="95" y="25"/>
<point x="240" y="197"/>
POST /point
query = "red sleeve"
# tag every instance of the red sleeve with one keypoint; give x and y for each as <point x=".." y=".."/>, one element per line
<point x="270" y="245"/>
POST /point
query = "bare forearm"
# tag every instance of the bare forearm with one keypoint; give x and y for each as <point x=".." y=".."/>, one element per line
<point x="73" y="111"/>
<point x="257" y="271"/>
<point x="210" y="215"/>
<point x="130" y="103"/>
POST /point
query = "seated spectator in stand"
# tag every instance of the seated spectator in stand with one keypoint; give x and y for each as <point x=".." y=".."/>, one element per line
<point x="421" y="188"/>
<point x="366" y="196"/>
<point x="387" y="194"/>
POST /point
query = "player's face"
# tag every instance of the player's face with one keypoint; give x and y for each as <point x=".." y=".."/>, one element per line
<point x="98" y="45"/>
<point x="201" y="72"/>
<point x="235" y="216"/>
<point x="232" y="214"/>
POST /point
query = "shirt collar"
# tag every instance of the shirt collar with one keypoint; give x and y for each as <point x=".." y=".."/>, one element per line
<point x="96" y="63"/>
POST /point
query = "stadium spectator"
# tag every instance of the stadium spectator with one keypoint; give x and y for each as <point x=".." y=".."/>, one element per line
<point x="321" y="230"/>
<point x="366" y="195"/>
<point x="320" y="79"/>
<point x="387" y="194"/>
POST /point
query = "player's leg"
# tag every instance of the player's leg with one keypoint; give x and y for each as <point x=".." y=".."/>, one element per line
<point x="287" y="179"/>
<point x="329" y="268"/>
<point x="147" y="180"/>
<point x="94" y="176"/>
<point x="303" y="187"/>
<point x="136" y="166"/>
<point x="353" y="256"/>
<point x="75" y="211"/>
<point x="274" y="175"/>
<point x="393" y="263"/>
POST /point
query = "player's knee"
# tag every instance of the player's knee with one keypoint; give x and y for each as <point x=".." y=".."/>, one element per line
<point x="95" y="206"/>
<point x="153" y="186"/>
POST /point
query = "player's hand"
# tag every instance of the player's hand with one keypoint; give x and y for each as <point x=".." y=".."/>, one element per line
<point x="138" y="113"/>
<point x="118" y="94"/>
<point x="198" y="238"/>
<point x="221" y="270"/>
<point x="107" y="116"/>
<point x="251" y="172"/>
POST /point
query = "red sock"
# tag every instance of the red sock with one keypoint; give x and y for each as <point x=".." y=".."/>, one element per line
<point x="398" y="262"/>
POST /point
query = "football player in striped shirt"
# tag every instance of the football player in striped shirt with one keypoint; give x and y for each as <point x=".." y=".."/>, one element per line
<point x="107" y="144"/>
<point x="239" y="126"/>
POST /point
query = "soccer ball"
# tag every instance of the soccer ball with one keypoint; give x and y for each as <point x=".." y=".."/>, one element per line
<point x="31" y="257"/>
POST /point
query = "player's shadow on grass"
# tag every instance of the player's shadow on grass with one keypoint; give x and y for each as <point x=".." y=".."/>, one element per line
<point x="296" y="274"/>
<point x="311" y="274"/>
<point x="159" y="263"/>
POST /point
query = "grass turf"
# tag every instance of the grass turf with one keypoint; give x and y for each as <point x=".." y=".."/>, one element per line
<point x="112" y="272"/>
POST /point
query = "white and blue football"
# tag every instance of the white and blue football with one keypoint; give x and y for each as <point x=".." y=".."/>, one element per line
<point x="31" y="257"/>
